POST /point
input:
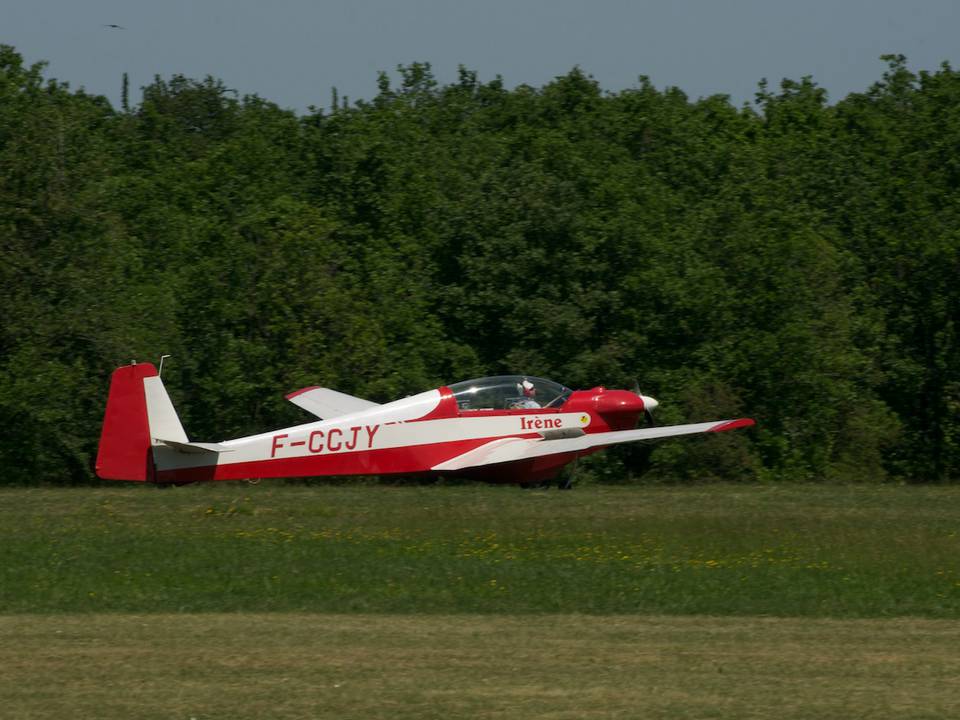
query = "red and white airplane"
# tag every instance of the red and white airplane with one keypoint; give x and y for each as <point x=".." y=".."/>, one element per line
<point x="507" y="429"/>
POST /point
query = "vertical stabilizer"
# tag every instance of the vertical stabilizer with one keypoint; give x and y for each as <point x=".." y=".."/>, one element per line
<point x="125" y="445"/>
<point x="161" y="417"/>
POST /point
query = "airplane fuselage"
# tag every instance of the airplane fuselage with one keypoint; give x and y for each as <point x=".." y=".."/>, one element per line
<point x="405" y="437"/>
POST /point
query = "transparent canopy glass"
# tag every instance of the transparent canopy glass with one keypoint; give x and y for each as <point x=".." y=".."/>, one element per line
<point x="509" y="392"/>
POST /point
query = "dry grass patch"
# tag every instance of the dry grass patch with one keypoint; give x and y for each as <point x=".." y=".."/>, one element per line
<point x="549" y="666"/>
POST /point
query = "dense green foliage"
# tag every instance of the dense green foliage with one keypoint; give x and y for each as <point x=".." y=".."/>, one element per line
<point x="719" y="549"/>
<point x="795" y="261"/>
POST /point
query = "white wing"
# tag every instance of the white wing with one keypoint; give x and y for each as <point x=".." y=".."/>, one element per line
<point x="326" y="403"/>
<point x="511" y="449"/>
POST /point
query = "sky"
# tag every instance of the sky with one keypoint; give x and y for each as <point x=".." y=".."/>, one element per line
<point x="293" y="52"/>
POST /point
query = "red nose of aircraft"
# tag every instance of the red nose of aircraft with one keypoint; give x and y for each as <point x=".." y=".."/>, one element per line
<point x="620" y="401"/>
<point x="622" y="409"/>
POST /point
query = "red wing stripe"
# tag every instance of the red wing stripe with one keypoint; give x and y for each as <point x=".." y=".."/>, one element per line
<point x="733" y="425"/>
<point x="301" y="391"/>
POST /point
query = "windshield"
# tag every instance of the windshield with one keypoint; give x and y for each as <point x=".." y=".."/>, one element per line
<point x="509" y="392"/>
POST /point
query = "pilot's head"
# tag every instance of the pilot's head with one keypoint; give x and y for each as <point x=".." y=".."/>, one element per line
<point x="528" y="389"/>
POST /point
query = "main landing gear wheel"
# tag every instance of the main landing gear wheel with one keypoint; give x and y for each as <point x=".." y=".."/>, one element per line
<point x="567" y="476"/>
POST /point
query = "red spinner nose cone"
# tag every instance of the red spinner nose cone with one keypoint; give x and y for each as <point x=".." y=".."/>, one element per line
<point x="619" y="401"/>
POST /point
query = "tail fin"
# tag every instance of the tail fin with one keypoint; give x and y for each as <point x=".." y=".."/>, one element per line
<point x="138" y="411"/>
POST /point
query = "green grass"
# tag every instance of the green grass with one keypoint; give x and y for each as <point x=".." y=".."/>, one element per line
<point x="277" y="665"/>
<point x="238" y="601"/>
<point x="815" y="551"/>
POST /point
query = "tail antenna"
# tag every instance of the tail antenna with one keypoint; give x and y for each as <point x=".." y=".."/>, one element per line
<point x="160" y="371"/>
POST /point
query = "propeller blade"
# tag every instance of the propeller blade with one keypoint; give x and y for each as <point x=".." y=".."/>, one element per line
<point x="649" y="403"/>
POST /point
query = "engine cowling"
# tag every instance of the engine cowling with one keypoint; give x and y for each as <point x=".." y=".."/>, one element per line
<point x="617" y="409"/>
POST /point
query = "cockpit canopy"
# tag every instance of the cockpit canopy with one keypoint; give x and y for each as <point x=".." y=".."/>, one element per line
<point x="509" y="392"/>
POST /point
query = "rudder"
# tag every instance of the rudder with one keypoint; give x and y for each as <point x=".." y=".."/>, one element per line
<point x="125" y="444"/>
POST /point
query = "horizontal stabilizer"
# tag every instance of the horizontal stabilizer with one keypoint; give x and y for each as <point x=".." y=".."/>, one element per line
<point x="193" y="448"/>
<point x="326" y="403"/>
<point x="512" y="449"/>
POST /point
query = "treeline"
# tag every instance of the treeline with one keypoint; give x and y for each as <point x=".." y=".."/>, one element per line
<point x="795" y="261"/>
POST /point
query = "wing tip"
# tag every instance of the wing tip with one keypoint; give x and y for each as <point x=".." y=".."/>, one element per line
<point x="732" y="425"/>
<point x="301" y="391"/>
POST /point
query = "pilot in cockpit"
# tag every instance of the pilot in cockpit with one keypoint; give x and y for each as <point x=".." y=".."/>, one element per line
<point x="529" y="393"/>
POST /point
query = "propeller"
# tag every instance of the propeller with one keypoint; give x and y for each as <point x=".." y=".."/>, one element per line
<point x="649" y="403"/>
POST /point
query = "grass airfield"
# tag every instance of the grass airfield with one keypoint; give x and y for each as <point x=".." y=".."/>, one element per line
<point x="239" y="601"/>
<point x="283" y="665"/>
